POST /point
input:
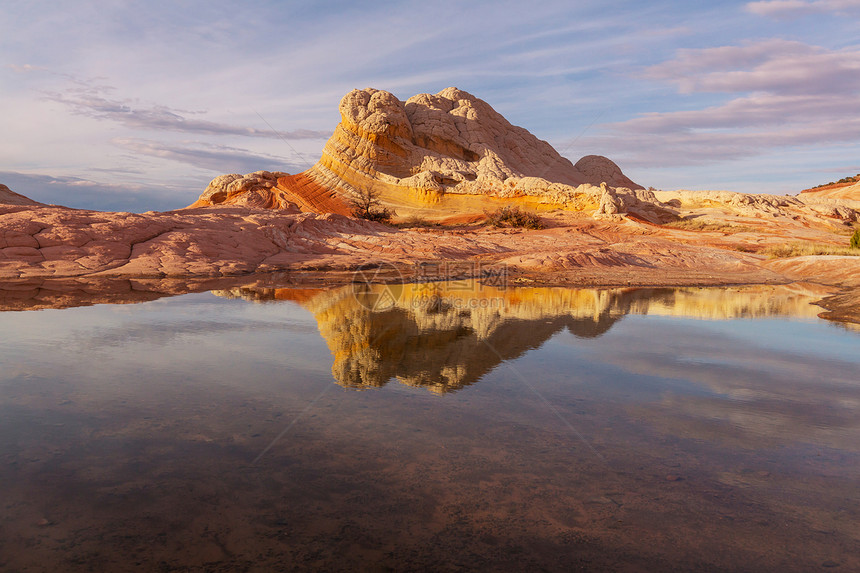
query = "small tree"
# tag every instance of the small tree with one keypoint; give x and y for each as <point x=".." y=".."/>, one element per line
<point x="365" y="204"/>
<point x="855" y="240"/>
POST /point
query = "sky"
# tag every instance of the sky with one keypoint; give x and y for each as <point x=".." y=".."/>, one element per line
<point x="137" y="105"/>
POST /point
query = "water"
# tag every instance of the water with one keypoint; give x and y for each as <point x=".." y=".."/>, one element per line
<point x="428" y="427"/>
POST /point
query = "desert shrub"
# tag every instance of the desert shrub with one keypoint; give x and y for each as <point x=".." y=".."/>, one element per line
<point x="849" y="179"/>
<point x="379" y="214"/>
<point x="855" y="240"/>
<point x="514" y="217"/>
<point x="365" y="204"/>
<point x="805" y="249"/>
<point x="416" y="221"/>
<point x="708" y="225"/>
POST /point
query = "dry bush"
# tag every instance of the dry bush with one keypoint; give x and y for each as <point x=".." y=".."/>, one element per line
<point x="806" y="249"/>
<point x="414" y="221"/>
<point x="365" y="204"/>
<point x="514" y="217"/>
<point x="708" y="225"/>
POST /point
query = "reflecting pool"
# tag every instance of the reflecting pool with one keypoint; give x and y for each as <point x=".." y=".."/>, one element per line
<point x="428" y="427"/>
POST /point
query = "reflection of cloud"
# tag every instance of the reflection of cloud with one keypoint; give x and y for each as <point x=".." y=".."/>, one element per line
<point x="753" y="396"/>
<point x="788" y="93"/>
<point x="789" y="8"/>
<point x="220" y="158"/>
<point x="90" y="101"/>
<point x="162" y="334"/>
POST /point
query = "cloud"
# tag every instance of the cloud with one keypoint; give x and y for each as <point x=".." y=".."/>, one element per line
<point x="83" y="193"/>
<point x="791" y="8"/>
<point x="218" y="158"/>
<point x="24" y="68"/>
<point x="782" y="94"/>
<point x="92" y="101"/>
<point x="779" y="66"/>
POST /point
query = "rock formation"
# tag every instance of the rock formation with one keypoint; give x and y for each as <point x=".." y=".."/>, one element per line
<point x="267" y="190"/>
<point x="640" y="203"/>
<point x="431" y="150"/>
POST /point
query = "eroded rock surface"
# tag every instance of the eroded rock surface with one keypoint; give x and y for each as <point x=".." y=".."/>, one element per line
<point x="641" y="203"/>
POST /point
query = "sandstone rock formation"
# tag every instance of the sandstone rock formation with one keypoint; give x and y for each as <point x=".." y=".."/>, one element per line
<point x="267" y="190"/>
<point x="640" y="203"/>
<point x="451" y="142"/>
<point x="812" y="208"/>
<point x="431" y="150"/>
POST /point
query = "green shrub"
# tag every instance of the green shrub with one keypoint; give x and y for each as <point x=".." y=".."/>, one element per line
<point x="849" y="179"/>
<point x="514" y="217"/>
<point x="855" y="240"/>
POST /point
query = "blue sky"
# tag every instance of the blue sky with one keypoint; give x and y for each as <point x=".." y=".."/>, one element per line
<point x="136" y="105"/>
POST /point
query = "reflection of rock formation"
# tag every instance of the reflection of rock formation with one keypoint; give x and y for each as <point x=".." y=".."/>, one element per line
<point x="443" y="336"/>
<point x="39" y="294"/>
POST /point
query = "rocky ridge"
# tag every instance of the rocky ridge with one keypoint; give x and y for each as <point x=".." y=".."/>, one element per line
<point x="9" y="197"/>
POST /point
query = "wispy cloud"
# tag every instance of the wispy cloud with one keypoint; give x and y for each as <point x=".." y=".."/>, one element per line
<point x="24" y="68"/>
<point x="793" y="8"/>
<point x="84" y="193"/>
<point x="94" y="101"/>
<point x="778" y="66"/>
<point x="784" y="94"/>
<point x="218" y="158"/>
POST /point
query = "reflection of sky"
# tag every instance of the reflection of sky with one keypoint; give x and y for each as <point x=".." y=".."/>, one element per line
<point x="186" y="335"/>
<point x="752" y="383"/>
<point x="792" y="335"/>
